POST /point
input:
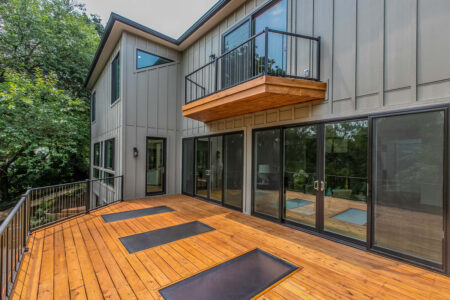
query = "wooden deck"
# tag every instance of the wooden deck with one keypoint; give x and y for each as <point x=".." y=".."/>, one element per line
<point x="82" y="258"/>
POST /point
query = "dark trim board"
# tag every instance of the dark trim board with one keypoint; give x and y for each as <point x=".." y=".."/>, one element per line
<point x="242" y="277"/>
<point x="131" y="214"/>
<point x="150" y="239"/>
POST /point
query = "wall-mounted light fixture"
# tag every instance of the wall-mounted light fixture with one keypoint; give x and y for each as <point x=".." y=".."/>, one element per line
<point x="135" y="152"/>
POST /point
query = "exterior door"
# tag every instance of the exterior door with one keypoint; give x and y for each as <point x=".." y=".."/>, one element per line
<point x="202" y="168"/>
<point x="314" y="176"/>
<point x="155" y="177"/>
<point x="301" y="193"/>
<point x="408" y="186"/>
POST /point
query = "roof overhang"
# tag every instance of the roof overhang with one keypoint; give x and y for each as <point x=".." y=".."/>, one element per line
<point x="118" y="24"/>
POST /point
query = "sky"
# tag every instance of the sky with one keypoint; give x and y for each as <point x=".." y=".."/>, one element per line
<point x="171" y="17"/>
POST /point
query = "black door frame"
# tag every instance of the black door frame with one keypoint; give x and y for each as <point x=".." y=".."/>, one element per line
<point x="164" y="177"/>
<point x="193" y="156"/>
<point x="320" y="169"/>
<point x="445" y="267"/>
<point x="366" y="245"/>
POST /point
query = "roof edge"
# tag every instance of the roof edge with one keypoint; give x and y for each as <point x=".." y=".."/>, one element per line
<point x="114" y="17"/>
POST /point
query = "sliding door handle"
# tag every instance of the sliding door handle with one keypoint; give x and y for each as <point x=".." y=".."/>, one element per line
<point x="322" y="186"/>
<point x="316" y="185"/>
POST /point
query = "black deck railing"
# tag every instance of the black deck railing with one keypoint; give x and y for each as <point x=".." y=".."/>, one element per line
<point x="269" y="52"/>
<point x="42" y="206"/>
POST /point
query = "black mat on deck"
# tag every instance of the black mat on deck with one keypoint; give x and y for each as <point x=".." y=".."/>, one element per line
<point x="242" y="277"/>
<point x="150" y="239"/>
<point x="124" y="215"/>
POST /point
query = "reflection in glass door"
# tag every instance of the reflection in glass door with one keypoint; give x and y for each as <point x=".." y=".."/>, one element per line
<point x="233" y="161"/>
<point x="267" y="185"/>
<point x="408" y="185"/>
<point x="216" y="168"/>
<point x="202" y="171"/>
<point x="155" y="168"/>
<point x="300" y="174"/>
<point x="217" y="172"/>
<point x="345" y="199"/>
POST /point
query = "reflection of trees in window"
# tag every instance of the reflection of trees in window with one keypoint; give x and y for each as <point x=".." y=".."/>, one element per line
<point x="346" y="159"/>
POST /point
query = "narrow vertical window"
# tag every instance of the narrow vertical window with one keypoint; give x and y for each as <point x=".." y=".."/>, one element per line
<point x="115" y="78"/>
<point x="93" y="106"/>
<point x="96" y="163"/>
<point x="109" y="154"/>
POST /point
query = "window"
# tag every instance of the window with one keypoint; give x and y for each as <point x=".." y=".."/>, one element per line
<point x="96" y="173"/>
<point x="274" y="18"/>
<point x="145" y="59"/>
<point x="97" y="154"/>
<point x="109" y="178"/>
<point x="93" y="104"/>
<point x="115" y="79"/>
<point x="109" y="154"/>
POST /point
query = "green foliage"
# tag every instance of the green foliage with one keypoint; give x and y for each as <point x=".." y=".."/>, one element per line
<point x="46" y="47"/>
<point x="55" y="36"/>
<point x="41" y="129"/>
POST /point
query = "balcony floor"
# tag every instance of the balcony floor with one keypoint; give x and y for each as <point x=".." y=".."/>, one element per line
<point x="83" y="258"/>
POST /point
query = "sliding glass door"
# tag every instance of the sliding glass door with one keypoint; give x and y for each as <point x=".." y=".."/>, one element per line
<point x="324" y="176"/>
<point x="202" y="170"/>
<point x="408" y="185"/>
<point x="267" y="176"/>
<point x="317" y="176"/>
<point x="233" y="162"/>
<point x="345" y="178"/>
<point x="300" y="174"/>
<point x="216" y="173"/>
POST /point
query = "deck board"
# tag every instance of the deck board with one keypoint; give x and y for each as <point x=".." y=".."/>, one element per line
<point x="82" y="258"/>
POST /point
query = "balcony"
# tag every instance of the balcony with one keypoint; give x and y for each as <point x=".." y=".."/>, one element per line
<point x="269" y="70"/>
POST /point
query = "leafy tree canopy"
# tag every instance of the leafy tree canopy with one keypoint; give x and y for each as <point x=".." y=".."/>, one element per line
<point x="55" y="36"/>
<point x="46" y="47"/>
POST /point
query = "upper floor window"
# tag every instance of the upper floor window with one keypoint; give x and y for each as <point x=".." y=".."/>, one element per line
<point x="109" y="154"/>
<point x="145" y="59"/>
<point x="93" y="106"/>
<point x="115" y="78"/>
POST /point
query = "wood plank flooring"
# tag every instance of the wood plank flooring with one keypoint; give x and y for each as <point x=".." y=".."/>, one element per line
<point x="82" y="258"/>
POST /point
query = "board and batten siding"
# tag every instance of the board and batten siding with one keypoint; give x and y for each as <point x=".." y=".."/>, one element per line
<point x="151" y="106"/>
<point x="108" y="117"/>
<point x="376" y="55"/>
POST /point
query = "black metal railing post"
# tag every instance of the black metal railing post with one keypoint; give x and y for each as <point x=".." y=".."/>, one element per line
<point x="87" y="197"/>
<point x="318" y="58"/>
<point x="121" y="188"/>
<point x="266" y="50"/>
<point x="216" y="72"/>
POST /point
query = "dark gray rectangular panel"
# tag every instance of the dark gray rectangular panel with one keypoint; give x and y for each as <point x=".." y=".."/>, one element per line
<point x="242" y="277"/>
<point x="124" y="215"/>
<point x="150" y="239"/>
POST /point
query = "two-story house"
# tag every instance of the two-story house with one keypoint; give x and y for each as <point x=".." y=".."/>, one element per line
<point x="330" y="116"/>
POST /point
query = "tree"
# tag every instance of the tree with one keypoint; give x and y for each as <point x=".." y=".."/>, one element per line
<point x="40" y="124"/>
<point x="55" y="36"/>
<point x="46" y="48"/>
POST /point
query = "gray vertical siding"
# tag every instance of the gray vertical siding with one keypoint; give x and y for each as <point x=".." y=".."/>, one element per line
<point x="109" y="118"/>
<point x="150" y="111"/>
<point x="377" y="55"/>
